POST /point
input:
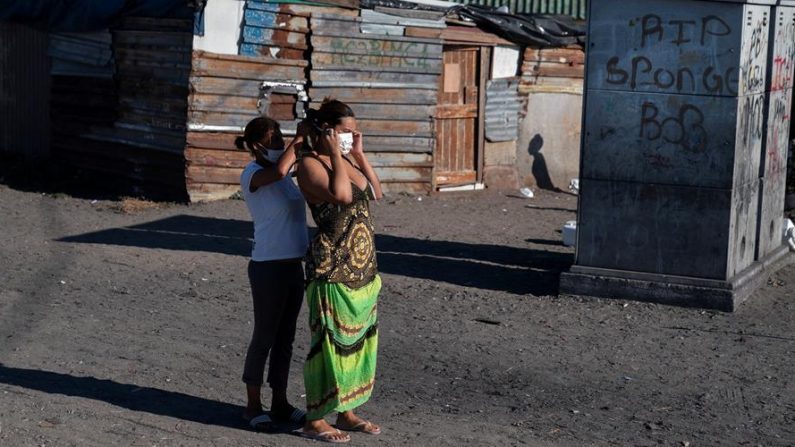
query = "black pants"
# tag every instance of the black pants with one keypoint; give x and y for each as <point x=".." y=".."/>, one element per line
<point x="278" y="291"/>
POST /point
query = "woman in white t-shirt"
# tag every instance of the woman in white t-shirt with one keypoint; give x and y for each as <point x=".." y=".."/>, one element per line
<point x="275" y="272"/>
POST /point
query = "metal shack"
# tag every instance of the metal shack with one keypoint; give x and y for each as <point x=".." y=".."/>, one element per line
<point x="418" y="86"/>
<point x="153" y="100"/>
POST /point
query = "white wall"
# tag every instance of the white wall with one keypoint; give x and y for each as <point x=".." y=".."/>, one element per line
<point x="504" y="62"/>
<point x="222" y="25"/>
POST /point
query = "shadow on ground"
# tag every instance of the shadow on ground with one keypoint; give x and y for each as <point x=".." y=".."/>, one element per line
<point x="55" y="176"/>
<point x="483" y="266"/>
<point x="132" y="397"/>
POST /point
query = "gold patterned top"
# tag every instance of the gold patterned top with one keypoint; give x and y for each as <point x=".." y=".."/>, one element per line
<point x="343" y="250"/>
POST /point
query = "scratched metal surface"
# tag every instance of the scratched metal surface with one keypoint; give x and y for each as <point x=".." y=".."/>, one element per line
<point x="779" y="120"/>
<point x="650" y="228"/>
<point x="685" y="140"/>
<point x="673" y="230"/>
<point x="678" y="46"/>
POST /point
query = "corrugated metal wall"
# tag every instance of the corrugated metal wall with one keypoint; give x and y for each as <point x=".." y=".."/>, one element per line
<point x="391" y="83"/>
<point x="84" y="94"/>
<point x="502" y="109"/>
<point x="24" y="91"/>
<point x="225" y="96"/>
<point x="574" y="8"/>
<point x="120" y="104"/>
<point x="226" y="93"/>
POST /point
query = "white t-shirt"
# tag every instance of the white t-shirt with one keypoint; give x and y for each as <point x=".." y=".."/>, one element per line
<point x="279" y="214"/>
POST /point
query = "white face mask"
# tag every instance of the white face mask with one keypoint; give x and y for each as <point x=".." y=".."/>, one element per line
<point x="272" y="155"/>
<point x="346" y="142"/>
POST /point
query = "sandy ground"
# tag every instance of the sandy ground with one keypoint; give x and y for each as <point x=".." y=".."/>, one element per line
<point x="130" y="328"/>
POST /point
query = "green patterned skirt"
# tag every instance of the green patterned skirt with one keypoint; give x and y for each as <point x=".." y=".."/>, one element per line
<point x="339" y="372"/>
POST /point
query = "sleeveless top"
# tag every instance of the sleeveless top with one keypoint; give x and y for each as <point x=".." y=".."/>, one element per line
<point x="343" y="250"/>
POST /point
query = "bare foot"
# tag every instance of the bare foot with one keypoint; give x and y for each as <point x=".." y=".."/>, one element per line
<point x="350" y="422"/>
<point x="320" y="430"/>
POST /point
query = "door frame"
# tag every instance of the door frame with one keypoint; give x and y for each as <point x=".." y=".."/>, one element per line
<point x="484" y="69"/>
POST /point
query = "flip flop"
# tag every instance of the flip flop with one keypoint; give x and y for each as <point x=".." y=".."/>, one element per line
<point x="262" y="422"/>
<point x="298" y="416"/>
<point x="361" y="427"/>
<point x="325" y="437"/>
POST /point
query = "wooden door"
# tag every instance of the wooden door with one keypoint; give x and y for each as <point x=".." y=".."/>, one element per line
<point x="457" y="117"/>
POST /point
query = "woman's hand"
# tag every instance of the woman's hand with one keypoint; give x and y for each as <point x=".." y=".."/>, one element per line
<point x="331" y="142"/>
<point x="358" y="145"/>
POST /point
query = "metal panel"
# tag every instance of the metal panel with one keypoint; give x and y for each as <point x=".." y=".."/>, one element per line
<point x="675" y="139"/>
<point x="228" y="91"/>
<point x="375" y="96"/>
<point x="390" y="82"/>
<point x="369" y="16"/>
<point x="274" y="30"/>
<point x="654" y="228"/>
<point x="782" y="68"/>
<point x="24" y="91"/>
<point x="771" y="214"/>
<point x="743" y="227"/>
<point x="779" y="117"/>
<point x="502" y="110"/>
<point x="714" y="49"/>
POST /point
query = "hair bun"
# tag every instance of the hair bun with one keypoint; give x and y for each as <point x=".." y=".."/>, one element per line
<point x="240" y="142"/>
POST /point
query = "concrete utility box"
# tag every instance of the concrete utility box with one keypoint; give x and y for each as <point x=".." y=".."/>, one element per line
<point x="678" y="163"/>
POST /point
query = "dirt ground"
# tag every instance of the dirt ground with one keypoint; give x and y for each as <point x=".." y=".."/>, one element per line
<point x="124" y="323"/>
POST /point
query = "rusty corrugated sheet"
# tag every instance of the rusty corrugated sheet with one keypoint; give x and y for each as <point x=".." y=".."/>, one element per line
<point x="573" y="8"/>
<point x="226" y="92"/>
<point x="390" y="81"/>
<point x="502" y="109"/>
<point x="271" y="30"/>
<point x="24" y="91"/>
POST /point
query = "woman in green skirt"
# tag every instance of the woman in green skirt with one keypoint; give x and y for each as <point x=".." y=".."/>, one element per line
<point x="338" y="183"/>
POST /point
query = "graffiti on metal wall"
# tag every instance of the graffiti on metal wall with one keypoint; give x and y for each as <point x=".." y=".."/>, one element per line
<point x="754" y="54"/>
<point x="685" y="36"/>
<point x="691" y="41"/>
<point x="784" y="54"/>
<point x="685" y="129"/>
<point x="778" y="132"/>
<point x="380" y="53"/>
